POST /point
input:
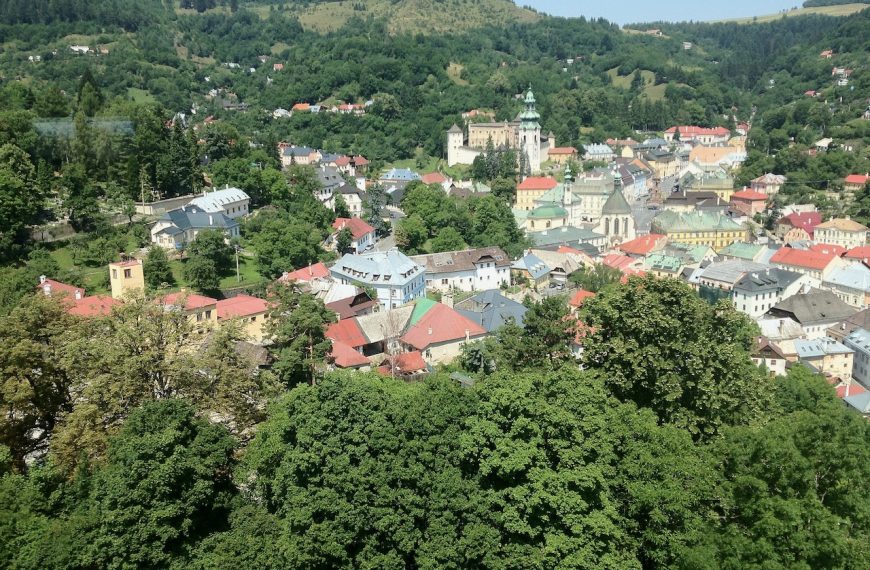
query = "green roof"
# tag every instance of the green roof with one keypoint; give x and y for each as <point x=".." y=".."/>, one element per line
<point x="664" y="262"/>
<point x="616" y="204"/>
<point x="742" y="250"/>
<point x="669" y="222"/>
<point x="421" y="307"/>
<point x="548" y="211"/>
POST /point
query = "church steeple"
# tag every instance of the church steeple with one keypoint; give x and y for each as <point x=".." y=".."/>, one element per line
<point x="530" y="134"/>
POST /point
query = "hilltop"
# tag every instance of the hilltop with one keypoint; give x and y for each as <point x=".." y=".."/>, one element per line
<point x="833" y="10"/>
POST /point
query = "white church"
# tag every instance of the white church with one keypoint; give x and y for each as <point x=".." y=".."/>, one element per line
<point x="523" y="135"/>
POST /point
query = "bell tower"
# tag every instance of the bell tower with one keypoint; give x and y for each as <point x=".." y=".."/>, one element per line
<point x="530" y="134"/>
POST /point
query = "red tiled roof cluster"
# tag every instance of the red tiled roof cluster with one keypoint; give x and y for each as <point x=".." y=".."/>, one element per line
<point x="694" y="131"/>
<point x="348" y="332"/>
<point x="802" y="258"/>
<point x="642" y="245"/>
<point x="241" y="306"/>
<point x="860" y="253"/>
<point x="569" y="150"/>
<point x="315" y="271"/>
<point x="827" y="248"/>
<point x="441" y="324"/>
<point x="345" y="356"/>
<point x="93" y="306"/>
<point x="806" y="221"/>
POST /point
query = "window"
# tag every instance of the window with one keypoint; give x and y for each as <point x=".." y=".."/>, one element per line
<point x="208" y="315"/>
<point x="114" y="273"/>
<point x="128" y="273"/>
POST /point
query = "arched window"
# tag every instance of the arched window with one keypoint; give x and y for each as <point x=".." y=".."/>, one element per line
<point x="616" y="226"/>
<point x="607" y="226"/>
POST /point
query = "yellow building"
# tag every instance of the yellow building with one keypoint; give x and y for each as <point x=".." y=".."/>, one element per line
<point x="699" y="228"/>
<point x="127" y="278"/>
<point x="252" y="312"/>
<point x="202" y="310"/>
<point x="532" y="188"/>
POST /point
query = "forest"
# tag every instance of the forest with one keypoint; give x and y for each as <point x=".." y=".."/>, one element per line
<point x="668" y="449"/>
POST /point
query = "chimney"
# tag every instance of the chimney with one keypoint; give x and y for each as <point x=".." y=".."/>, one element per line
<point x="210" y="220"/>
<point x="430" y="330"/>
<point x="42" y="279"/>
<point x="78" y="294"/>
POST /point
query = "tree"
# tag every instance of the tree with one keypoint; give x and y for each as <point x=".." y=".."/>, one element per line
<point x="548" y="334"/>
<point x="36" y="389"/>
<point x="596" y="278"/>
<point x="448" y="239"/>
<point x="656" y="343"/>
<point x="341" y="209"/>
<point x="158" y="272"/>
<point x="212" y="245"/>
<point x="374" y="208"/>
<point x="505" y="188"/>
<point x="283" y="243"/>
<point x="411" y="234"/>
<point x="202" y="274"/>
<point x="296" y="326"/>
<point x="343" y="241"/>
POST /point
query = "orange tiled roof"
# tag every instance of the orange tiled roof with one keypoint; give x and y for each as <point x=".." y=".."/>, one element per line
<point x="241" y="306"/>
<point x="538" y="183"/>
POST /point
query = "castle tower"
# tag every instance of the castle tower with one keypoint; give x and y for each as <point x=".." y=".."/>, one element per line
<point x="530" y="134"/>
<point x="127" y="278"/>
<point x="455" y="140"/>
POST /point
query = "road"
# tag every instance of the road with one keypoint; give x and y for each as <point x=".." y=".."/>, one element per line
<point x="389" y="242"/>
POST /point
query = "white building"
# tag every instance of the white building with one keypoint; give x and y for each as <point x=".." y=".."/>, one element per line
<point x="859" y="341"/>
<point x="395" y="277"/>
<point x="841" y="231"/>
<point x="232" y="202"/>
<point x="758" y="291"/>
<point x="470" y="270"/>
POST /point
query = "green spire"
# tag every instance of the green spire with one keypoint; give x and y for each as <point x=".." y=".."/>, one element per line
<point x="529" y="118"/>
<point x="569" y="175"/>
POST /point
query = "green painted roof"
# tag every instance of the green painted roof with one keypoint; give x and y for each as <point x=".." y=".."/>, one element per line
<point x="421" y="306"/>
<point x="664" y="262"/>
<point x="548" y="211"/>
<point x="669" y="222"/>
<point x="742" y="250"/>
<point x="616" y="204"/>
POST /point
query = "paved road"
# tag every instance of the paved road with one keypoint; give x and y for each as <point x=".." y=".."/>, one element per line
<point x="389" y="242"/>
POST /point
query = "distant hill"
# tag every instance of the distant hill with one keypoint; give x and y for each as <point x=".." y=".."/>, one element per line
<point x="414" y="16"/>
<point x="813" y="3"/>
<point x="843" y="9"/>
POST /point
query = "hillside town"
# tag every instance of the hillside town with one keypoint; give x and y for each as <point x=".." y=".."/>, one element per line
<point x="666" y="206"/>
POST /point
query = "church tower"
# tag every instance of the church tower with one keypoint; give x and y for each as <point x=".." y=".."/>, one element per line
<point x="530" y="134"/>
<point x="568" y="188"/>
<point x="455" y="140"/>
<point x="617" y="221"/>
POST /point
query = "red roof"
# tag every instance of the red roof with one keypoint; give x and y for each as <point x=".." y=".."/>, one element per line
<point x="617" y="261"/>
<point x="315" y="271"/>
<point x="342" y="161"/>
<point x="861" y="253"/>
<point x="405" y="363"/>
<point x="538" y="183"/>
<point x="802" y="258"/>
<point x="345" y="356"/>
<point x="567" y="249"/>
<point x="859" y="179"/>
<point x="52" y="287"/>
<point x="93" y="306"/>
<point x="433" y="178"/>
<point x="805" y="220"/>
<point x="750" y="195"/>
<point x="854" y="389"/>
<point x="580" y="296"/>
<point x="360" y="160"/>
<point x="358" y="227"/>
<point x="241" y="306"/>
<point x="642" y="245"/>
<point x="441" y="324"/>
<point x="694" y="131"/>
<point x="348" y="332"/>
<point x="192" y="300"/>
<point x="826" y="248"/>
<point x="563" y="150"/>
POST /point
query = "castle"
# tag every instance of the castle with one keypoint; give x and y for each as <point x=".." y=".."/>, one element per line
<point x="522" y="135"/>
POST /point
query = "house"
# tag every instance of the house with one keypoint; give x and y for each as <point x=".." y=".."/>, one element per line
<point x="756" y="292"/>
<point x="127" y="278"/>
<point x="468" y="270"/>
<point x="303" y="155"/>
<point x="728" y="157"/>
<point x="859" y="341"/>
<point x="80" y="49"/>
<point x="277" y="67"/>
<point x="755" y="201"/>
<point x="301" y="107"/>
<point x="562" y="154"/>
<point x="329" y="180"/>
<point x="861" y="253"/>
<point x="768" y="183"/>
<point x="315" y="271"/>
<point x="532" y="270"/>
<point x="598" y="152"/>
<point x="804" y="222"/>
<point x="643" y="245"/>
<point x="698" y="135"/>
<point x="177" y="228"/>
<point x="578" y="298"/>
<point x="531" y="189"/>
<point x="491" y="310"/>
<point x="363" y="236"/>
<point x="723" y="275"/>
<point x="822" y="145"/>
<point x="440" y="334"/>
<point x="698" y="228"/>
<point x="767" y="354"/>
<point x="585" y="240"/>
<point x="52" y="288"/>
<point x="251" y="312"/>
<point x="544" y="217"/>
<point x="353" y="198"/>
<point x="841" y="231"/>
<point x="395" y="277"/>
<point x="561" y="263"/>
<point x="851" y="284"/>
<point x="355" y="305"/>
<point x="816" y="264"/>
<point x="855" y="182"/>
<point x="232" y="202"/>
<point x="343" y="356"/>
<point x="200" y="309"/>
<point x="827" y="356"/>
<point x="437" y="178"/>
<point x="75" y="300"/>
<point x="827" y="54"/>
<point x="814" y="311"/>
<point x="405" y="365"/>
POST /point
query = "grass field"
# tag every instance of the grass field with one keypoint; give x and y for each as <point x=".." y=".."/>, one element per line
<point x="839" y="10"/>
<point x="433" y="164"/>
<point x="651" y="91"/>
<point x="454" y="72"/>
<point x="140" y="95"/>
